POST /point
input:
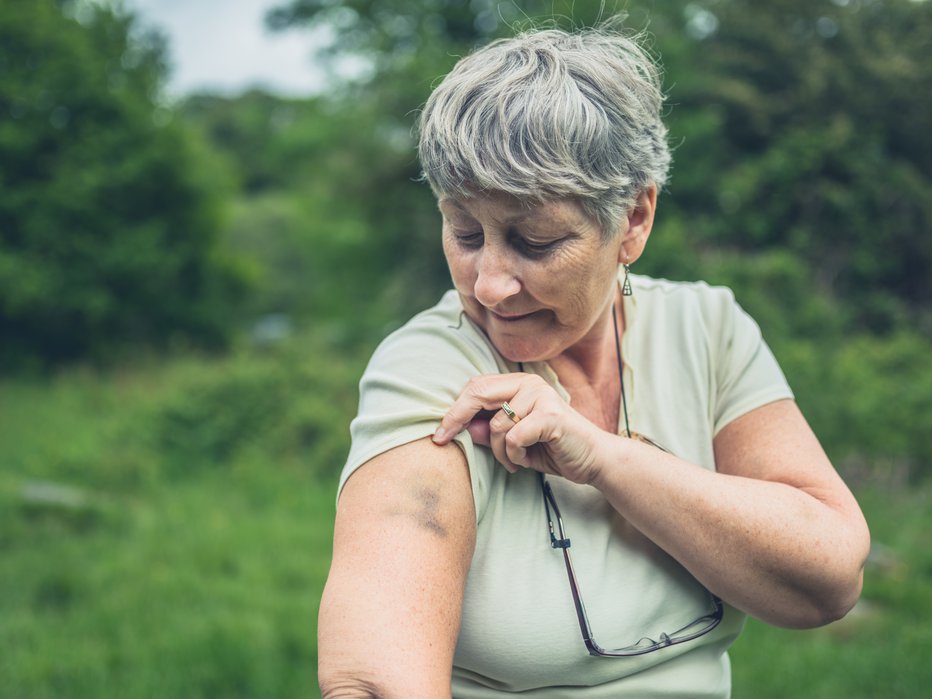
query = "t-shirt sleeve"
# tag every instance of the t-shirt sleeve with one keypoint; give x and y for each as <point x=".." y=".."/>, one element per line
<point x="412" y="379"/>
<point x="746" y="373"/>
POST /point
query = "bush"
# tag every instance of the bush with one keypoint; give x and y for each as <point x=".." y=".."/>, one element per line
<point x="869" y="400"/>
<point x="108" y="221"/>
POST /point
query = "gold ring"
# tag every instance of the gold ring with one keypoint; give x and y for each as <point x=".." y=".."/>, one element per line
<point x="507" y="409"/>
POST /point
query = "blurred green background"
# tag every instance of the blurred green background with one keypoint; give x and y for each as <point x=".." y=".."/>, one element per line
<point x="189" y="291"/>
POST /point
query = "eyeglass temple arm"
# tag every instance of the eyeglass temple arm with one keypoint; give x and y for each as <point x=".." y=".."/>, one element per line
<point x="564" y="543"/>
<point x="581" y="616"/>
<point x="547" y="492"/>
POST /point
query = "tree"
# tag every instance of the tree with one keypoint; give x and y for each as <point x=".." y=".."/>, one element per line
<point x="798" y="126"/>
<point x="812" y="117"/>
<point x="108" y="223"/>
<point x="301" y="216"/>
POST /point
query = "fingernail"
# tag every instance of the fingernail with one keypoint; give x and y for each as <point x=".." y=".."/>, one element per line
<point x="440" y="435"/>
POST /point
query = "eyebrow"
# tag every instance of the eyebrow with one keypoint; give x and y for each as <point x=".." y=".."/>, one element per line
<point x="511" y="220"/>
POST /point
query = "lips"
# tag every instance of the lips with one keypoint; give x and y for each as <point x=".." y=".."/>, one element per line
<point x="509" y="317"/>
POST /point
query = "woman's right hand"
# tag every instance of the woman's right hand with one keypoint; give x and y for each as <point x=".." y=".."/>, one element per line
<point x="549" y="435"/>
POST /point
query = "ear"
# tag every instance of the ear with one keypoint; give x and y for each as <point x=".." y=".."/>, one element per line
<point x="638" y="225"/>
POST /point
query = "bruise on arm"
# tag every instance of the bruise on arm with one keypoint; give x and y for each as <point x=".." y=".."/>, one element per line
<point x="423" y="505"/>
<point x="417" y="487"/>
<point x="427" y="514"/>
<point x="420" y="483"/>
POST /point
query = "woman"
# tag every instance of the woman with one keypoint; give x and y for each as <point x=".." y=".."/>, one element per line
<point x="502" y="526"/>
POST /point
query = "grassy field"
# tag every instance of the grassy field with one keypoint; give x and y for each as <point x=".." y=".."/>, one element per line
<point x="165" y="532"/>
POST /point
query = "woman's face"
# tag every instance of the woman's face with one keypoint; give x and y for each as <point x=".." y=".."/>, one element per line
<point x="535" y="278"/>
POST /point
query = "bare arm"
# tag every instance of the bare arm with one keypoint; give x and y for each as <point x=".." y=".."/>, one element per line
<point x="774" y="531"/>
<point x="403" y="540"/>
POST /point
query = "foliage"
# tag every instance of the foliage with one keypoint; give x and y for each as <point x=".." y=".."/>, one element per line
<point x="322" y="241"/>
<point x="285" y="406"/>
<point x="869" y="402"/>
<point x="809" y="114"/>
<point x="812" y="115"/>
<point x="206" y="589"/>
<point x="174" y="536"/>
<point x="109" y="220"/>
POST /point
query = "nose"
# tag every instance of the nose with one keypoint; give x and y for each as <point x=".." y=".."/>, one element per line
<point x="495" y="277"/>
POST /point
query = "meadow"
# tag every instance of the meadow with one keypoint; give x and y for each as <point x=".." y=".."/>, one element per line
<point x="165" y="531"/>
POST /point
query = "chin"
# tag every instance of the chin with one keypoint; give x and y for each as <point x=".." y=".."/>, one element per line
<point x="525" y="341"/>
<point x="517" y="351"/>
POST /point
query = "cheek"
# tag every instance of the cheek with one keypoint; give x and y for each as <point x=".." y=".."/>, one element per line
<point x="459" y="264"/>
<point x="580" y="284"/>
<point x="571" y="277"/>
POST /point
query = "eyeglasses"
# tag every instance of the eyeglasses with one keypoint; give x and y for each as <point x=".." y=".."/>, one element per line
<point x="692" y="630"/>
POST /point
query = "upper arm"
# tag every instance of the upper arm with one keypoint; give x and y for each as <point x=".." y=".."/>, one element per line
<point x="403" y="541"/>
<point x="775" y="443"/>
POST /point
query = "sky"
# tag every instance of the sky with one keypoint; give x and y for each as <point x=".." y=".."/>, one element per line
<point x="223" y="46"/>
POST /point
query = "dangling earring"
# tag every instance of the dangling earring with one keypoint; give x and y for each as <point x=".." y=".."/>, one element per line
<point x="626" y="286"/>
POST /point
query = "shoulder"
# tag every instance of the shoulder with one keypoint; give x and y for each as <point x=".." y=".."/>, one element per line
<point x="413" y="377"/>
<point x="435" y="339"/>
<point x="697" y="319"/>
<point x="688" y="308"/>
<point x="701" y="343"/>
<point x="684" y="296"/>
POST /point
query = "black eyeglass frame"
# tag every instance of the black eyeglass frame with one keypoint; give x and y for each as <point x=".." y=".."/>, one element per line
<point x="711" y="619"/>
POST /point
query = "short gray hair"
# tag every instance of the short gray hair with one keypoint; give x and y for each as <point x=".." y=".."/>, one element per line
<point x="549" y="114"/>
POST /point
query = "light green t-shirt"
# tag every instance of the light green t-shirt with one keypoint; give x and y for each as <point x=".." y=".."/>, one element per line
<point x="693" y="362"/>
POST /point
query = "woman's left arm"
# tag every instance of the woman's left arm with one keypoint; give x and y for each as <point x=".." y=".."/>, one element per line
<point x="774" y="531"/>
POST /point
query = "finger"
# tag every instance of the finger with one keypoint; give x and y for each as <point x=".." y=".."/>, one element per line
<point x="505" y="424"/>
<point x="480" y="432"/>
<point x="516" y="454"/>
<point x="526" y="444"/>
<point x="499" y="427"/>
<point x="478" y="427"/>
<point x="486" y="392"/>
<point x="520" y="441"/>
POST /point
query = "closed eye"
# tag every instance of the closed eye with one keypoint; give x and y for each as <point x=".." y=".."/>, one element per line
<point x="469" y="240"/>
<point x="536" y="250"/>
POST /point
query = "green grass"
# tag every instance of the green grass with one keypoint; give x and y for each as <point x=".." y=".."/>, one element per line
<point x="203" y="589"/>
<point x="188" y="556"/>
<point x="166" y="532"/>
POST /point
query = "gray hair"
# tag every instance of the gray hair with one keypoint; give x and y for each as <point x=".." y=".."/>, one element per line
<point x="549" y="114"/>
